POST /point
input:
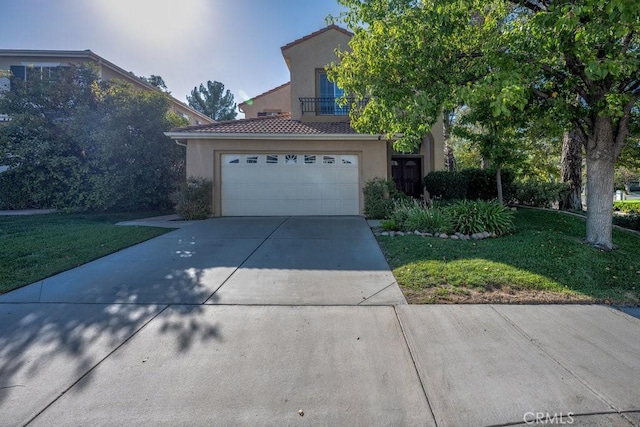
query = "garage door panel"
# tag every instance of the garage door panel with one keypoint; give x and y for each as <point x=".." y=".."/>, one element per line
<point x="312" y="184"/>
<point x="346" y="190"/>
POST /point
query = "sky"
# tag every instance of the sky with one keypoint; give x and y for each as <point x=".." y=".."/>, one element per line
<point x="187" y="42"/>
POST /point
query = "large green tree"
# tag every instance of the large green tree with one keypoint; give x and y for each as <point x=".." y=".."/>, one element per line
<point x="74" y="141"/>
<point x="213" y="101"/>
<point x="578" y="60"/>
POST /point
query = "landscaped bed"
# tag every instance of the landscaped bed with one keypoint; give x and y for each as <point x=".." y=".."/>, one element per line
<point x="543" y="261"/>
<point x="35" y="247"/>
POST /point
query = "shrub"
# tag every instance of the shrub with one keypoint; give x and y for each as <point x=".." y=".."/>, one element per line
<point x="472" y="184"/>
<point x="379" y="196"/>
<point x="430" y="221"/>
<point x="477" y="216"/>
<point x="627" y="206"/>
<point x="630" y="221"/>
<point x="541" y="194"/>
<point x="482" y="184"/>
<point x="446" y="185"/>
<point x="193" y="198"/>
<point x="410" y="215"/>
<point x="401" y="210"/>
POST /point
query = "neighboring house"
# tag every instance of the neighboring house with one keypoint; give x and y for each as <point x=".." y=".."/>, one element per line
<point x="26" y="64"/>
<point x="271" y="103"/>
<point x="298" y="155"/>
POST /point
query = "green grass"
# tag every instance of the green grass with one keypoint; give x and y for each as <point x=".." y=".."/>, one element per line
<point x="543" y="261"/>
<point x="38" y="246"/>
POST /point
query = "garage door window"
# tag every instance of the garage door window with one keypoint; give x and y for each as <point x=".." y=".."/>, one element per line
<point x="328" y="160"/>
<point x="252" y="159"/>
<point x="272" y="159"/>
<point x="309" y="159"/>
<point x="290" y="159"/>
<point x="349" y="160"/>
<point x="231" y="160"/>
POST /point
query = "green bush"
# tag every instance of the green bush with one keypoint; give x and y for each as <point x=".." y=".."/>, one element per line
<point x="542" y="194"/>
<point x="193" y="198"/>
<point x="379" y="197"/>
<point x="477" y="216"/>
<point x="401" y="210"/>
<point x="627" y="206"/>
<point x="482" y="184"/>
<point x="430" y="221"/>
<point x="100" y="145"/>
<point x="630" y="221"/>
<point x="446" y="185"/>
<point x="410" y="215"/>
<point x="471" y="184"/>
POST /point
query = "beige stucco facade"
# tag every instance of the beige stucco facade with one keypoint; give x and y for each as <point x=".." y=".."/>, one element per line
<point x="106" y="71"/>
<point x="204" y="156"/>
<point x="304" y="59"/>
<point x="275" y="101"/>
<point x="257" y="136"/>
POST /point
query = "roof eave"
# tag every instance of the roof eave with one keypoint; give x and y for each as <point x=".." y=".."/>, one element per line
<point x="275" y="136"/>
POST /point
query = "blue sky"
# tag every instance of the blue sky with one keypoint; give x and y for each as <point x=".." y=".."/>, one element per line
<point x="187" y="42"/>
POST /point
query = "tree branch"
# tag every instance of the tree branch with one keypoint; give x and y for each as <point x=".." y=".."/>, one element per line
<point x="622" y="130"/>
<point x="576" y="67"/>
<point x="541" y="94"/>
<point x="626" y="42"/>
<point x="555" y="73"/>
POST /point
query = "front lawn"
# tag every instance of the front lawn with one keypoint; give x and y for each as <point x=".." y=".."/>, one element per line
<point x="35" y="247"/>
<point x="543" y="261"/>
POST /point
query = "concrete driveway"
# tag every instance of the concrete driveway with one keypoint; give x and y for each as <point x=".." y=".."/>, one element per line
<point x="287" y="321"/>
<point x="295" y="260"/>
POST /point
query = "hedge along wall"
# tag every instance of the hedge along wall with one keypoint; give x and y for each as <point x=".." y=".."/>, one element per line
<point x="471" y="184"/>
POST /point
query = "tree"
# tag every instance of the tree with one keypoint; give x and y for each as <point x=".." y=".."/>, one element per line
<point x="579" y="59"/>
<point x="571" y="163"/>
<point x="46" y="168"/>
<point x="76" y="142"/>
<point x="132" y="165"/>
<point x="213" y="101"/>
<point x="498" y="140"/>
<point x="156" y="81"/>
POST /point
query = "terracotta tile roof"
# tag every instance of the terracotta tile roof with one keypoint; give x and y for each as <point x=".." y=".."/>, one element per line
<point x="316" y="33"/>
<point x="267" y="92"/>
<point x="280" y="124"/>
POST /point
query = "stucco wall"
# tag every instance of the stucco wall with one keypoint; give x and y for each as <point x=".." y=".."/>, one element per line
<point x="203" y="157"/>
<point x="304" y="59"/>
<point x="278" y="100"/>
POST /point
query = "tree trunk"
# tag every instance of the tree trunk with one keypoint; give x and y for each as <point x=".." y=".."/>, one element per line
<point x="450" y="158"/>
<point x="499" y="184"/>
<point x="601" y="155"/>
<point x="572" y="170"/>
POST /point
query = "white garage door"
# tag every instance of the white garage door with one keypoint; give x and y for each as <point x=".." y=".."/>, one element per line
<point x="289" y="184"/>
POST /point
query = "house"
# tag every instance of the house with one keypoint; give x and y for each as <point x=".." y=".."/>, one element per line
<point x="25" y="64"/>
<point x="295" y="152"/>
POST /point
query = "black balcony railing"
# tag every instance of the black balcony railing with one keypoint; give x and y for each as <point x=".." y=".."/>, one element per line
<point x="328" y="106"/>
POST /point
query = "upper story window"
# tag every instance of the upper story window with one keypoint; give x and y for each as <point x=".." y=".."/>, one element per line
<point x="328" y="92"/>
<point x="39" y="71"/>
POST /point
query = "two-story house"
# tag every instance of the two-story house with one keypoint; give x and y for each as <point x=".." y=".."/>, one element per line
<point x="28" y="64"/>
<point x="295" y="152"/>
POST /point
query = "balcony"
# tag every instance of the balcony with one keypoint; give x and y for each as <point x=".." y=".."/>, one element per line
<point x="328" y="106"/>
